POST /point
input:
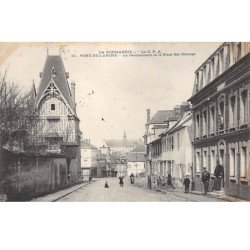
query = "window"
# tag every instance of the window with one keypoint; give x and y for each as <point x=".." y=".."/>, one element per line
<point x="238" y="51"/>
<point x="243" y="162"/>
<point x="53" y="106"/>
<point x="204" y="130"/>
<point x="232" y="112"/>
<point x="222" y="63"/>
<point x="227" y="57"/>
<point x="243" y="107"/>
<point x="197" y="126"/>
<point x="205" y="159"/>
<point x="212" y="119"/>
<point x="213" y="158"/>
<point x="221" y="115"/>
<point x="178" y="141"/>
<point x="232" y="162"/>
<point x="198" y="156"/>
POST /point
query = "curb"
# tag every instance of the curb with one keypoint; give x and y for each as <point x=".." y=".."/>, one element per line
<point x="43" y="199"/>
<point x="227" y="198"/>
<point x="83" y="185"/>
<point x="230" y="199"/>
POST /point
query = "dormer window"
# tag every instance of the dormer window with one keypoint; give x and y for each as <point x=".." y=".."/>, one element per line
<point x="53" y="106"/>
<point x="53" y="72"/>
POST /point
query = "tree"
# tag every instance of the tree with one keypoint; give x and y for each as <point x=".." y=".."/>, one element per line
<point x="12" y="114"/>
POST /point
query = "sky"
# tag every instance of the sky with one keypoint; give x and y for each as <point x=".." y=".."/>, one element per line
<point x="118" y="88"/>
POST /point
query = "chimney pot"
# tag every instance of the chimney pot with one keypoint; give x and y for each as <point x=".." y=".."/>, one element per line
<point x="73" y="92"/>
<point x="148" y="115"/>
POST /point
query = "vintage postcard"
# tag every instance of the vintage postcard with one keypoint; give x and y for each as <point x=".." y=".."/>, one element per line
<point x="125" y="122"/>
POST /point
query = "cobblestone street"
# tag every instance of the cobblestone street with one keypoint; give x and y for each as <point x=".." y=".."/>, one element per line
<point x="95" y="191"/>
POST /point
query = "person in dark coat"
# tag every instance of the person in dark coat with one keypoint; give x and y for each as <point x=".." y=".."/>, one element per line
<point x="106" y="185"/>
<point x="132" y="178"/>
<point x="186" y="183"/>
<point x="121" y="181"/>
<point x="219" y="176"/>
<point x="205" y="179"/>
<point x="149" y="182"/>
<point x="158" y="181"/>
<point x="169" y="180"/>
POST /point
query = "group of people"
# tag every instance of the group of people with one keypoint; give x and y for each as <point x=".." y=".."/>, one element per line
<point x="219" y="177"/>
<point x="121" y="183"/>
<point x="218" y="173"/>
<point x="160" y="181"/>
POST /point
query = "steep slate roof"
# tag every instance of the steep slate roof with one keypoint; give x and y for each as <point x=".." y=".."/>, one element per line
<point x="55" y="61"/>
<point x="160" y="126"/>
<point x="140" y="148"/>
<point x="160" y="116"/>
<point x="181" y="123"/>
<point x="172" y="119"/>
<point x="121" y="143"/>
<point x="85" y="144"/>
<point x="136" y="157"/>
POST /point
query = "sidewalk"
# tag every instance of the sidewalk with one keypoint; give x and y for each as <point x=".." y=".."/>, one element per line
<point x="60" y="194"/>
<point x="142" y="182"/>
<point x="218" y="195"/>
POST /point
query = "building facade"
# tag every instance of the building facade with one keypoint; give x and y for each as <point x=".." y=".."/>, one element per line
<point x="153" y="128"/>
<point x="220" y="106"/>
<point x="121" y="146"/>
<point x="88" y="158"/>
<point x="155" y="138"/>
<point x="136" y="161"/>
<point x="176" y="155"/>
<point x="57" y="128"/>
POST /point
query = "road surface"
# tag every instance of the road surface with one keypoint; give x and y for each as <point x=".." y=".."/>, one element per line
<point x="95" y="191"/>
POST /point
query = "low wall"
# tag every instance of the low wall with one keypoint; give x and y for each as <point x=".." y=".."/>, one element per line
<point x="25" y="177"/>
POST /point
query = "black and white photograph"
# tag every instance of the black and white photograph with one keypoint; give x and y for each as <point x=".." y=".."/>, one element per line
<point x="125" y="122"/>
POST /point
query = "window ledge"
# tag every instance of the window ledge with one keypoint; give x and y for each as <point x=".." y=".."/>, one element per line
<point x="243" y="126"/>
<point x="232" y="179"/>
<point x="53" y="118"/>
<point x="244" y="180"/>
<point x="232" y="129"/>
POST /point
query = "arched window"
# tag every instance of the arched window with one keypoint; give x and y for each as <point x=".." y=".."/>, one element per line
<point x="221" y="112"/>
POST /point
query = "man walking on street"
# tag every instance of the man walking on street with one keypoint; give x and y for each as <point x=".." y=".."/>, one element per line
<point x="219" y="174"/>
<point x="205" y="179"/>
<point x="186" y="183"/>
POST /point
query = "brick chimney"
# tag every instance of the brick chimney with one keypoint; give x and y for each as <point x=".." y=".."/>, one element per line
<point x="148" y="115"/>
<point x="73" y="92"/>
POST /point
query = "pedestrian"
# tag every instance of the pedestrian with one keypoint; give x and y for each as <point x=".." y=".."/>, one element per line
<point x="169" y="180"/>
<point x="90" y="178"/>
<point x="186" y="183"/>
<point x="219" y="176"/>
<point x="132" y="178"/>
<point x="106" y="185"/>
<point x="121" y="181"/>
<point x="149" y="182"/>
<point x="158" y="181"/>
<point x="205" y="179"/>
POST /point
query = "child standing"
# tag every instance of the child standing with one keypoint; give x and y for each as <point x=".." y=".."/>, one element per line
<point x="186" y="183"/>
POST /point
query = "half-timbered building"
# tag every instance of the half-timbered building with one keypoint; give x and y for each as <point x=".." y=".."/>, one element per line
<point x="57" y="122"/>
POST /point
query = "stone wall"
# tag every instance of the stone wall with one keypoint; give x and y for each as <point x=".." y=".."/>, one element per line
<point x="24" y="177"/>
